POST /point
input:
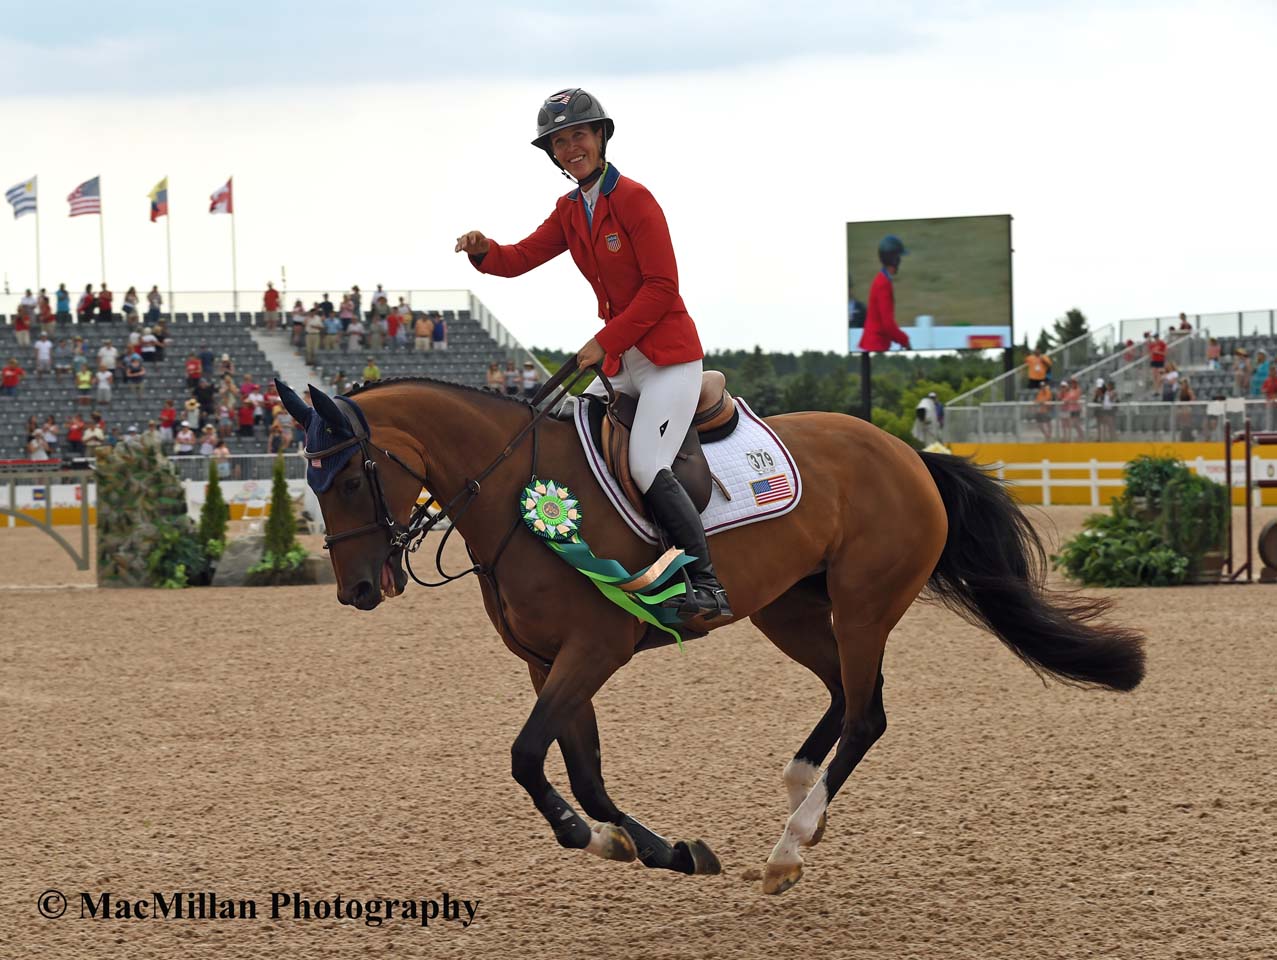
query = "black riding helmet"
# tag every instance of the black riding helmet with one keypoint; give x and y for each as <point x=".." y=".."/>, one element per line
<point x="569" y="108"/>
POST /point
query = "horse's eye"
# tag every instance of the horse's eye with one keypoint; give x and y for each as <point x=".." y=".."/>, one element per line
<point x="350" y="485"/>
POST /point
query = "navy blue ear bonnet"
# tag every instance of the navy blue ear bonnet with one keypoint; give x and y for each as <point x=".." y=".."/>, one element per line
<point x="326" y="426"/>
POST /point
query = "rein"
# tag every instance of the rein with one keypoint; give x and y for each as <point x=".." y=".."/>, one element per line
<point x="408" y="537"/>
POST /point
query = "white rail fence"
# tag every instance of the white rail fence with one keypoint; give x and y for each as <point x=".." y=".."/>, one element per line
<point x="1050" y="475"/>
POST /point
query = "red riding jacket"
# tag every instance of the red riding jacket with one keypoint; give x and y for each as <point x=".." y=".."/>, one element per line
<point x="880" y="316"/>
<point x="628" y="259"/>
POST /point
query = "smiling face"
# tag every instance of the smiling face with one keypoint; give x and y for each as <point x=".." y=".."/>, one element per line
<point x="578" y="149"/>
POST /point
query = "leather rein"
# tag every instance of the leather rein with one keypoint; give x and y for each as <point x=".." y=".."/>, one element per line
<point x="408" y="537"/>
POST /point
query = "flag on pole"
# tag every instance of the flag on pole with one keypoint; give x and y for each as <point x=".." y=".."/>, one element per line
<point x="86" y="198"/>
<point x="222" y="201"/>
<point x="159" y="200"/>
<point x="22" y="198"/>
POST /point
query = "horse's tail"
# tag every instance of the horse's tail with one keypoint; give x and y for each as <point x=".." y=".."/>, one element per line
<point x="992" y="573"/>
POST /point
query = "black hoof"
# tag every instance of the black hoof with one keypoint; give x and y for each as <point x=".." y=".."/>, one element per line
<point x="701" y="857"/>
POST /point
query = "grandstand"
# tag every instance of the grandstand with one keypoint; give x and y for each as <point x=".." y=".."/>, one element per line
<point x="475" y="339"/>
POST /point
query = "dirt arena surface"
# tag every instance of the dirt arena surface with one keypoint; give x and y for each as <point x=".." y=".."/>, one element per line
<point x="244" y="742"/>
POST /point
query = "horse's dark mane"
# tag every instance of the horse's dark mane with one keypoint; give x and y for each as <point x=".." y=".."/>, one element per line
<point x="367" y="385"/>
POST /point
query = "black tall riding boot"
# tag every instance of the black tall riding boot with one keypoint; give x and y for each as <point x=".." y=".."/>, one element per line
<point x="673" y="511"/>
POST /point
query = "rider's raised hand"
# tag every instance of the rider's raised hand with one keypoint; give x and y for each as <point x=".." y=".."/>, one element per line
<point x="472" y="243"/>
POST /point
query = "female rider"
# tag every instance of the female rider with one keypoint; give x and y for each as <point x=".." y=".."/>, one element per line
<point x="620" y="242"/>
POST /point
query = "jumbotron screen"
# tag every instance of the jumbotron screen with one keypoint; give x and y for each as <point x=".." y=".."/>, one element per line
<point x="939" y="284"/>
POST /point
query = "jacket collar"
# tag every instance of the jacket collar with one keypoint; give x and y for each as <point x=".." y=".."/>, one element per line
<point x="610" y="179"/>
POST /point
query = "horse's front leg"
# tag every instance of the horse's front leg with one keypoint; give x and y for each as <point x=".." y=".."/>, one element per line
<point x="617" y="836"/>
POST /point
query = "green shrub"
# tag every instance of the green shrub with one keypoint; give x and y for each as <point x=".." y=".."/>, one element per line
<point x="1115" y="550"/>
<point x="177" y="559"/>
<point x="215" y="513"/>
<point x="1148" y="476"/>
<point x="1195" y="516"/>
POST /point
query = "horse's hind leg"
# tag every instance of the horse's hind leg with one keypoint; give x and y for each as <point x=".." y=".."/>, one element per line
<point x="798" y="622"/>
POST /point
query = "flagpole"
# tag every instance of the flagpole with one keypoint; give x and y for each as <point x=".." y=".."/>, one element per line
<point x="37" y="241"/>
<point x="168" y="246"/>
<point x="234" y="277"/>
<point x="101" y="232"/>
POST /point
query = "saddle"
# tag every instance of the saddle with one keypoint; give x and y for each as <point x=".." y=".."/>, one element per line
<point x="716" y="417"/>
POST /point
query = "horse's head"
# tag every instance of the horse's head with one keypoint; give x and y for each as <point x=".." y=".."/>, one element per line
<point x="365" y="497"/>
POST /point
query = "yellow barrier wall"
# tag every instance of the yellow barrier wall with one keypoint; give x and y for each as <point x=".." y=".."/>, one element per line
<point x="1072" y="461"/>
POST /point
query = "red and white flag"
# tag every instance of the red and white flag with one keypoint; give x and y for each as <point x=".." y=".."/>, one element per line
<point x="221" y="200"/>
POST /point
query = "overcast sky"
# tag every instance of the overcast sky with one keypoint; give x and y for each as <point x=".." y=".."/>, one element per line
<point x="1132" y="143"/>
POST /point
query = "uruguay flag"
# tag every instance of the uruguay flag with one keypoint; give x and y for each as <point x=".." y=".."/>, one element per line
<point x="159" y="200"/>
<point x="22" y="198"/>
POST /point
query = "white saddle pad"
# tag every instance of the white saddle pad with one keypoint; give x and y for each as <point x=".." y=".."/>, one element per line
<point x="758" y="472"/>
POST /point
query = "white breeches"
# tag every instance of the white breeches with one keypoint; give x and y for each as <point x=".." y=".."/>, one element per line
<point x="667" y="398"/>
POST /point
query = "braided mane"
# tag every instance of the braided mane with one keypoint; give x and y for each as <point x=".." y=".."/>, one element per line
<point x="366" y="385"/>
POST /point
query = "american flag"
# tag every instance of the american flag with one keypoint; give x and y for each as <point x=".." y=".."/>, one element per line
<point x="771" y="489"/>
<point x="86" y="198"/>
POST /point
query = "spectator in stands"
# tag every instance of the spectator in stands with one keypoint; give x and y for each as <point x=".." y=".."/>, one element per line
<point x="84" y="385"/>
<point x="206" y="394"/>
<point x="1212" y="354"/>
<point x="1043" y="410"/>
<point x="1071" y="404"/>
<point x="154" y="301"/>
<point x="258" y="400"/>
<point x="246" y="386"/>
<point x="94" y="434"/>
<point x="326" y="307"/>
<point x="512" y="379"/>
<point x="132" y="436"/>
<point x="1259" y="374"/>
<point x="207" y="360"/>
<point x="1241" y="372"/>
<point x="340" y="383"/>
<point x="102" y="381"/>
<point x="424" y="330"/>
<point x="75" y="435"/>
<point x="378" y="294"/>
<point x="135" y="375"/>
<point x="270" y="307"/>
<point x="44" y="356"/>
<point x="1038" y="368"/>
<point x="184" y="442"/>
<point x="27" y="308"/>
<point x="50" y="431"/>
<point x="355" y="335"/>
<point x="226" y="417"/>
<point x="107" y="355"/>
<point x="405" y="332"/>
<point x="1184" y="325"/>
<point x="1157" y="359"/>
<point x="194" y="370"/>
<point x="191" y="411"/>
<point x="63" y="302"/>
<point x="48" y="321"/>
<point x="61" y="359"/>
<point x="346" y="312"/>
<point x="245" y="416"/>
<point x="208" y="440"/>
<point x="22" y="327"/>
<point x="401" y="315"/>
<point x="314" y="331"/>
<point x="496" y="379"/>
<point x="380" y="305"/>
<point x="1170" y="381"/>
<point x="297" y="319"/>
<point x="222" y="457"/>
<point x="357" y="300"/>
<point x="148" y="344"/>
<point x="129" y="306"/>
<point x="225" y="366"/>
<point x="279" y="438"/>
<point x="37" y="449"/>
<point x="1269" y="386"/>
<point x="377" y="328"/>
<point x="104" y="304"/>
<point x="11" y="378"/>
<point x="530" y="379"/>
<point x="332" y="332"/>
<point x="78" y="358"/>
<point x="168" y="419"/>
<point x="439" y="333"/>
<point x="163" y="341"/>
<point x="87" y="305"/>
<point x="371" y="370"/>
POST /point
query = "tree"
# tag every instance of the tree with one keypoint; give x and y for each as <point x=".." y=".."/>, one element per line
<point x="215" y="513"/>
<point x="1044" y="342"/>
<point x="1071" y="326"/>
<point x="281" y="528"/>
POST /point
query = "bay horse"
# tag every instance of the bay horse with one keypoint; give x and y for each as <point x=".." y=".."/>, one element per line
<point x="877" y="524"/>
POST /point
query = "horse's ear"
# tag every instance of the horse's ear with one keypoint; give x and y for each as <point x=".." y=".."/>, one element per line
<point x="294" y="404"/>
<point x="328" y="412"/>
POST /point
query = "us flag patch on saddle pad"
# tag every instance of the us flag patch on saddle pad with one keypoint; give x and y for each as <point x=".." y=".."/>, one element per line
<point x="614" y="242"/>
<point x="771" y="489"/>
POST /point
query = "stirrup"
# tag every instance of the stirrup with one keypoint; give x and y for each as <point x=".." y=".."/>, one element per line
<point x="703" y="600"/>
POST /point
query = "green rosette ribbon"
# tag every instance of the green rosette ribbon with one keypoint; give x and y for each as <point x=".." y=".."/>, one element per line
<point x="554" y="515"/>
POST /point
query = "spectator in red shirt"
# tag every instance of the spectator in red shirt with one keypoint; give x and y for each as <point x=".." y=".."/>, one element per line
<point x="1270" y="385"/>
<point x="881" y="329"/>
<point x="194" y="370"/>
<point x="10" y="378"/>
<point x="270" y="307"/>
<point x="88" y="303"/>
<point x="1157" y="358"/>
<point x="75" y="434"/>
<point x="168" y="417"/>
<point x="104" y="304"/>
<point x="246" y="411"/>
<point x="22" y="328"/>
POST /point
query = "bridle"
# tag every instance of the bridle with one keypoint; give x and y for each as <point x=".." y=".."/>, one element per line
<point x="408" y="537"/>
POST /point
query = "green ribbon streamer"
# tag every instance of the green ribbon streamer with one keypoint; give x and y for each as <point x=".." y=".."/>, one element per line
<point x="644" y="604"/>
